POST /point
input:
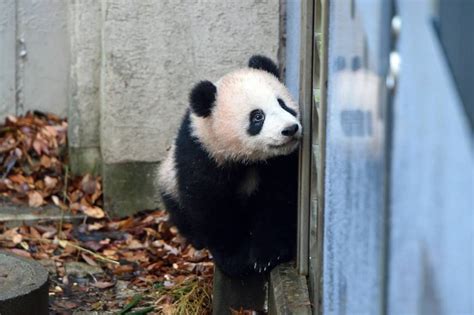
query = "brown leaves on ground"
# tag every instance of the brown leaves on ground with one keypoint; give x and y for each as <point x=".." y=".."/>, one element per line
<point x="136" y="264"/>
<point x="143" y="254"/>
<point x="34" y="170"/>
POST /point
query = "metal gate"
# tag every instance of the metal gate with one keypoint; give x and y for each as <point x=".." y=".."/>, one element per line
<point x="34" y="56"/>
<point x="387" y="169"/>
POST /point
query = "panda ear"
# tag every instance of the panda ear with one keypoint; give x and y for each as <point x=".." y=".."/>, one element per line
<point x="264" y="63"/>
<point x="202" y="98"/>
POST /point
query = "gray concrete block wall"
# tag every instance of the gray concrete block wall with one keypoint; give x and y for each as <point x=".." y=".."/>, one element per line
<point x="122" y="71"/>
<point x="153" y="53"/>
<point x="84" y="22"/>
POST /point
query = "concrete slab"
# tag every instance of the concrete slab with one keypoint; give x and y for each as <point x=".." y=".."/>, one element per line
<point x="14" y="215"/>
<point x="288" y="292"/>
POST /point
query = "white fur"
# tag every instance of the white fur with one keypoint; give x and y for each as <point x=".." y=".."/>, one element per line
<point x="167" y="175"/>
<point x="224" y="132"/>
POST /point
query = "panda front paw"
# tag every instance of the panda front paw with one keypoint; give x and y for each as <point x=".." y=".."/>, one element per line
<point x="266" y="266"/>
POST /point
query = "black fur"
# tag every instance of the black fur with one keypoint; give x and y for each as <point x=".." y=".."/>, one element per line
<point x="264" y="63"/>
<point x="245" y="234"/>
<point x="202" y="98"/>
<point x="283" y="105"/>
<point x="255" y="126"/>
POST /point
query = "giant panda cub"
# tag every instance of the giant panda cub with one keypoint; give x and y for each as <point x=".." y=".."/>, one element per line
<point x="230" y="179"/>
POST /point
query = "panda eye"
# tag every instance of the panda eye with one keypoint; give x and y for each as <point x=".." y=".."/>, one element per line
<point x="257" y="116"/>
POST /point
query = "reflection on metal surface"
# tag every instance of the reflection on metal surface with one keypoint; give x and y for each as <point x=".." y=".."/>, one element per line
<point x="432" y="182"/>
<point x="355" y="158"/>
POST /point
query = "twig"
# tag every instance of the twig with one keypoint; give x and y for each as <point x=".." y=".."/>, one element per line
<point x="65" y="243"/>
<point x="66" y="176"/>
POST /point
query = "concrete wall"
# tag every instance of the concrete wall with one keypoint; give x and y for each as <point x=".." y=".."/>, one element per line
<point x="122" y="70"/>
<point x="84" y="98"/>
<point x="153" y="53"/>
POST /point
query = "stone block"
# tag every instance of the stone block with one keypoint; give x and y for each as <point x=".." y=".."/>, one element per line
<point x="85" y="160"/>
<point x="129" y="187"/>
<point x="288" y="292"/>
<point x="24" y="286"/>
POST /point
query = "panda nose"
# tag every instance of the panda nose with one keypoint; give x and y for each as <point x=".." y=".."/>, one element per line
<point x="290" y="131"/>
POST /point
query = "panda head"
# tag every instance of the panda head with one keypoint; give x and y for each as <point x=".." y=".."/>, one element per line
<point x="247" y="116"/>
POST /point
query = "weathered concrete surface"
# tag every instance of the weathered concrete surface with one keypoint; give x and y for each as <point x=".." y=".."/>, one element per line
<point x="249" y="293"/>
<point x="84" y="104"/>
<point x="43" y="56"/>
<point x="288" y="292"/>
<point x="24" y="286"/>
<point x="154" y="51"/>
<point x="85" y="160"/>
<point x="7" y="58"/>
<point x="14" y="215"/>
<point x="130" y="187"/>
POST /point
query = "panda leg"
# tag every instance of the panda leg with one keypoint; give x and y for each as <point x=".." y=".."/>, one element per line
<point x="235" y="263"/>
<point x="273" y="239"/>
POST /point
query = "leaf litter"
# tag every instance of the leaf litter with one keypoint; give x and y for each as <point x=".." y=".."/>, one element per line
<point x="134" y="265"/>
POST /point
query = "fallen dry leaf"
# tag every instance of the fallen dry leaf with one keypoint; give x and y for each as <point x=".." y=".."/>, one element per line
<point x="89" y="260"/>
<point x="35" y="199"/>
<point x="50" y="182"/>
<point x="149" y="251"/>
<point x="17" y="239"/>
<point x="103" y="284"/>
<point x="58" y="202"/>
<point x="93" y="212"/>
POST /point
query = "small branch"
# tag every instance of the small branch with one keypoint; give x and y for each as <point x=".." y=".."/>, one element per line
<point x="64" y="243"/>
<point x="66" y="176"/>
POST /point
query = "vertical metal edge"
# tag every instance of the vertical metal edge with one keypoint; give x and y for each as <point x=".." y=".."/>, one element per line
<point x="306" y="95"/>
<point x="388" y="135"/>
<point x="323" y="77"/>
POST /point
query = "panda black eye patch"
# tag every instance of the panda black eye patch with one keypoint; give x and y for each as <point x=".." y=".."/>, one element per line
<point x="283" y="105"/>
<point x="257" y="117"/>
